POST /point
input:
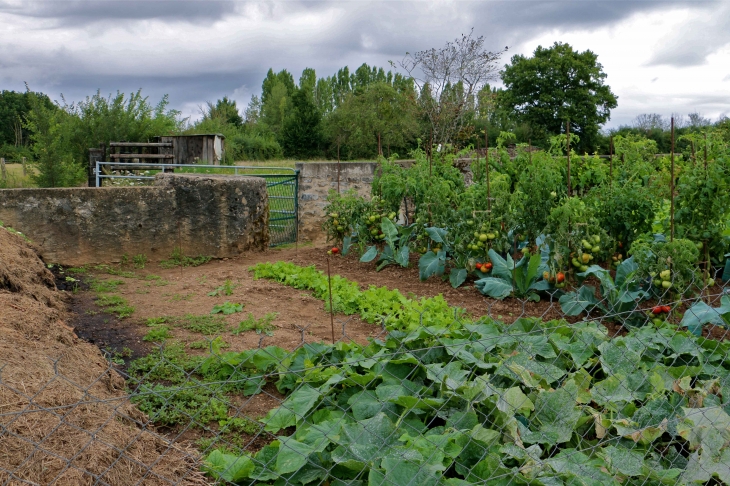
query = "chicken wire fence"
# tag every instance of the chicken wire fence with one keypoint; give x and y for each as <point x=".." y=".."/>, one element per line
<point x="433" y="398"/>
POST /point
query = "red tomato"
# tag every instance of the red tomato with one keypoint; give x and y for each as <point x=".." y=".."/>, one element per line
<point x="488" y="266"/>
<point x="560" y="277"/>
<point x="335" y="250"/>
<point x="657" y="310"/>
<point x="666" y="308"/>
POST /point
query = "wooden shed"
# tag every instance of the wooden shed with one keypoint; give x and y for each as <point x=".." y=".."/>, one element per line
<point x="196" y="149"/>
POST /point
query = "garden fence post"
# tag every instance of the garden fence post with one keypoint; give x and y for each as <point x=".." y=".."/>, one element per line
<point x="567" y="138"/>
<point x="3" y="171"/>
<point x="22" y="161"/>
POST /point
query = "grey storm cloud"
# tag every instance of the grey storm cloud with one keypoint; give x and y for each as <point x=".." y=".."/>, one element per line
<point x="325" y="35"/>
<point x="76" y="12"/>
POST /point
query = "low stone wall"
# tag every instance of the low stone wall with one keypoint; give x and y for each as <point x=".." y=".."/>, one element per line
<point x="217" y="216"/>
<point x="316" y="179"/>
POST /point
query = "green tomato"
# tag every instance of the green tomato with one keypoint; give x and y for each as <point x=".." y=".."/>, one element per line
<point x="483" y="237"/>
<point x="666" y="284"/>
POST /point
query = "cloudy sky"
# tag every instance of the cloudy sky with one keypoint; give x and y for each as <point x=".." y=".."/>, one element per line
<point x="660" y="56"/>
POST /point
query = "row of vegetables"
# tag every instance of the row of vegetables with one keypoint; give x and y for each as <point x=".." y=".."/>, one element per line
<point x="447" y="400"/>
<point x="516" y="231"/>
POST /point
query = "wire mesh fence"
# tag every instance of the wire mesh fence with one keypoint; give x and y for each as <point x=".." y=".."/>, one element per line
<point x="526" y="394"/>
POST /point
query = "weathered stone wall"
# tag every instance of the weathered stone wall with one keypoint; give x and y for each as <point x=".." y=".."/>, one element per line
<point x="217" y="216"/>
<point x="316" y="179"/>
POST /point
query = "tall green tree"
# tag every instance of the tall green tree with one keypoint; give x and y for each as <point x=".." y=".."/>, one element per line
<point x="51" y="145"/>
<point x="226" y="110"/>
<point x="301" y="132"/>
<point x="14" y="106"/>
<point x="558" y="84"/>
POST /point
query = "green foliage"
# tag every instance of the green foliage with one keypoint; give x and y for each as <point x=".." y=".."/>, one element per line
<point x="106" y="285"/>
<point x="396" y="250"/>
<point x="204" y="324"/>
<point x="679" y="257"/>
<point x="178" y="259"/>
<point x="227" y="308"/>
<point x="301" y="131"/>
<point x="625" y="211"/>
<point x="115" y="304"/>
<point x="619" y="299"/>
<point x="173" y="405"/>
<point x="225" y="289"/>
<point x="263" y="325"/>
<point x="559" y="84"/>
<point x="139" y="261"/>
<point x="51" y="136"/>
<point x="344" y="214"/>
<point x="486" y="402"/>
<point x="157" y="334"/>
<point x="521" y="279"/>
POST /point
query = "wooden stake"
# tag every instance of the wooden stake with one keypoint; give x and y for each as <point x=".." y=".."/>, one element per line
<point x="332" y="310"/>
<point x="567" y="133"/>
<point x="610" y="162"/>
<point x="486" y="168"/>
<point x="671" y="190"/>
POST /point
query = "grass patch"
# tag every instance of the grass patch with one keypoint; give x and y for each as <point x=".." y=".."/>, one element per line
<point x="180" y="297"/>
<point x="115" y="271"/>
<point x="207" y="344"/>
<point x="178" y="259"/>
<point x="157" y="334"/>
<point x="106" y="285"/>
<point x="263" y="325"/>
<point x="205" y="324"/>
<point x="115" y="304"/>
<point x="169" y="364"/>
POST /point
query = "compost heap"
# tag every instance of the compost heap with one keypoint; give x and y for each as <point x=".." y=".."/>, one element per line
<point x="64" y="416"/>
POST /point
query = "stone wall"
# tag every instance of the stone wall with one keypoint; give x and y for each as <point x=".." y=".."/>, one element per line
<point x="316" y="179"/>
<point x="217" y="216"/>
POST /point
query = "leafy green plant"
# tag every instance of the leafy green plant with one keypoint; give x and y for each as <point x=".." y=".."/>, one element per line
<point x="217" y="342"/>
<point x="178" y="259"/>
<point x="672" y="265"/>
<point x="521" y="279"/>
<point x="205" y="324"/>
<point x="115" y="304"/>
<point x="194" y="405"/>
<point x="227" y="308"/>
<point x="619" y="300"/>
<point x="700" y="314"/>
<point x="262" y="325"/>
<point x="396" y="250"/>
<point x="106" y="286"/>
<point x="157" y="334"/>
<point x="225" y="289"/>
<point x="343" y="212"/>
<point x="139" y="261"/>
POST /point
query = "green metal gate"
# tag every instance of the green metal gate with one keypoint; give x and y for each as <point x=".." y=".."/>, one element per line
<point x="283" y="191"/>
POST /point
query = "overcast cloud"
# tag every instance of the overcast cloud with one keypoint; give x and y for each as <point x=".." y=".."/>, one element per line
<point x="660" y="56"/>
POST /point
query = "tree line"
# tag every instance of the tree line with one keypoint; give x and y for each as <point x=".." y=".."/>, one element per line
<point x="438" y="98"/>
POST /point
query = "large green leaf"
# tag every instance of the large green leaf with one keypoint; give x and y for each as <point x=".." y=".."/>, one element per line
<point x="573" y="303"/>
<point x="700" y="314"/>
<point x="496" y="288"/>
<point x="389" y="229"/>
<point x="438" y="235"/>
<point x="625" y="271"/>
<point x="294" y="407"/>
<point x="402" y="256"/>
<point x="369" y="255"/>
<point x="500" y="267"/>
<point x="457" y="276"/>
<point x="556" y="417"/>
<point x="230" y="467"/>
<point x="432" y="264"/>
